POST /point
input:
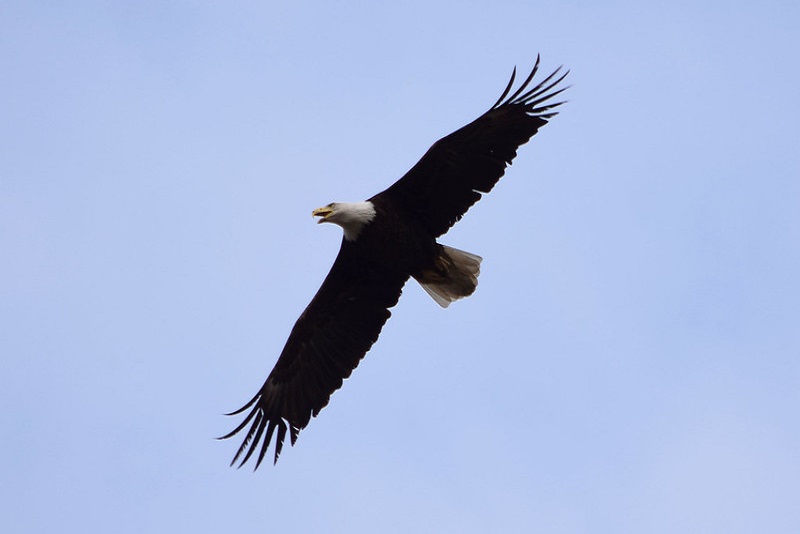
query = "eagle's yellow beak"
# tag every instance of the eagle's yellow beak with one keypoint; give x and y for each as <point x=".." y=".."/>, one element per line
<point x="322" y="213"/>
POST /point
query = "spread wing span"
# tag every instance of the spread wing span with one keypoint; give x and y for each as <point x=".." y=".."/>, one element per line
<point x="347" y="314"/>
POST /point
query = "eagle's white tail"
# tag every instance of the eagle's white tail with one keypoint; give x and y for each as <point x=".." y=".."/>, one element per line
<point x="456" y="276"/>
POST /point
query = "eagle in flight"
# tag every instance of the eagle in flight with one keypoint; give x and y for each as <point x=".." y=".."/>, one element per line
<point x="388" y="239"/>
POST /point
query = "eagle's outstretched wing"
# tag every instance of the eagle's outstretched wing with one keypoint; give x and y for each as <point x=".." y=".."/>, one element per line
<point x="326" y="343"/>
<point x="454" y="172"/>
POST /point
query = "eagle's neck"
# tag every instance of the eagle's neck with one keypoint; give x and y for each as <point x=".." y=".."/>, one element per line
<point x="352" y="217"/>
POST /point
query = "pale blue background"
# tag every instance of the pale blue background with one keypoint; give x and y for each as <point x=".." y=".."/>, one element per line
<point x="629" y="364"/>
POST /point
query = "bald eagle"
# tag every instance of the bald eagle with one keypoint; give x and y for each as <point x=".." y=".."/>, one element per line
<point x="388" y="239"/>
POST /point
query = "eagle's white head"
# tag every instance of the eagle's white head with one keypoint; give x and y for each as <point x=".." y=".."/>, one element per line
<point x="351" y="216"/>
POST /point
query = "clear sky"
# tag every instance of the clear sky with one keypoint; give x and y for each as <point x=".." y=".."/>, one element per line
<point x="630" y="362"/>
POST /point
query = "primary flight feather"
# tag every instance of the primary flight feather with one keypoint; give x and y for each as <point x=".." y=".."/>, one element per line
<point x="387" y="239"/>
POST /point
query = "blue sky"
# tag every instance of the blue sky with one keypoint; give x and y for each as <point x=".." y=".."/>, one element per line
<point x="629" y="363"/>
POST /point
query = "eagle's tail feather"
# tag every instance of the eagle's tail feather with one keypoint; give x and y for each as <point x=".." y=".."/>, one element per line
<point x="455" y="276"/>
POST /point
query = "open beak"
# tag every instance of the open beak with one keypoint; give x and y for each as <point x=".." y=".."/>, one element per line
<point x="322" y="213"/>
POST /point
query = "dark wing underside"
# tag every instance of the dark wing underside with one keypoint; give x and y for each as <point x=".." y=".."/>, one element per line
<point x="327" y="342"/>
<point x="454" y="172"/>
